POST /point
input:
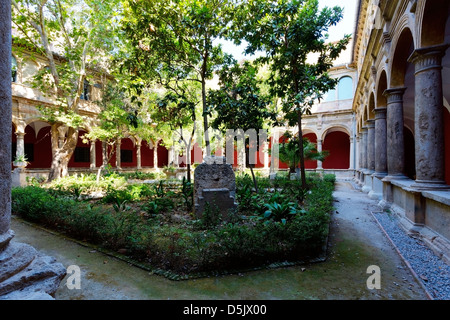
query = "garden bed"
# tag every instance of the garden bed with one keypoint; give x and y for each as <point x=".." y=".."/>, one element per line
<point x="152" y="224"/>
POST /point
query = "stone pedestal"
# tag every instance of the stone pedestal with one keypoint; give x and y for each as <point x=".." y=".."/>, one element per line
<point x="215" y="184"/>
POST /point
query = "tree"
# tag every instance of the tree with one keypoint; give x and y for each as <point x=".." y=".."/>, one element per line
<point x="239" y="103"/>
<point x="75" y="38"/>
<point x="176" y="110"/>
<point x="174" y="40"/>
<point x="289" y="31"/>
<point x="288" y="151"/>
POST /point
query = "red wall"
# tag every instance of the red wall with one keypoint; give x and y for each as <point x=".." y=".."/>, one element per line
<point x="146" y="155"/>
<point x="163" y="156"/>
<point x="447" y="144"/>
<point x="80" y="144"/>
<point x="310" y="164"/>
<point x="338" y="145"/>
<point x="127" y="144"/>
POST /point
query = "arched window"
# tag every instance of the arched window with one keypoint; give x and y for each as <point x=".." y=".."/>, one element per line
<point x="329" y="95"/>
<point x="345" y="88"/>
<point x="85" y="94"/>
<point x="13" y="69"/>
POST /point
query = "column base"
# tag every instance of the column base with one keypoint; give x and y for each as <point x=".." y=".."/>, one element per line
<point x="430" y="185"/>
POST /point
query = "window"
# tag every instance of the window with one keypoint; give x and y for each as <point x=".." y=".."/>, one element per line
<point x="330" y="95"/>
<point x="82" y="154"/>
<point x="13" y="69"/>
<point x="345" y="88"/>
<point x="126" y="155"/>
<point x="85" y="94"/>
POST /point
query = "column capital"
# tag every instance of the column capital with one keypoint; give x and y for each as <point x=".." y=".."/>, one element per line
<point x="370" y="123"/>
<point x="19" y="134"/>
<point x="428" y="57"/>
<point x="380" y="113"/>
<point x="394" y="95"/>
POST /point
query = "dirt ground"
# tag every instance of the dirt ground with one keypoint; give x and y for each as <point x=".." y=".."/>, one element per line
<point x="355" y="243"/>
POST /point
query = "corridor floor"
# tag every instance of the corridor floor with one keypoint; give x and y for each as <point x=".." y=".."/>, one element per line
<point x="355" y="243"/>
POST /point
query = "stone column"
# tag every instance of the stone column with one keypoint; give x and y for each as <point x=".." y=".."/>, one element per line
<point x="118" y="162"/>
<point x="5" y="122"/>
<point x="394" y="134"/>
<point x="20" y="144"/>
<point x="352" y="154"/>
<point x="104" y="153"/>
<point x="428" y="119"/>
<point x="371" y="145"/>
<point x="319" y="149"/>
<point x="380" y="142"/>
<point x="155" y="155"/>
<point x="364" y="149"/>
<point x="93" y="155"/>
<point x="138" y="155"/>
<point x="25" y="274"/>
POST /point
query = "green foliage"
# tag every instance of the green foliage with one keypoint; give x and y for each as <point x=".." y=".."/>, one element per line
<point x="274" y="228"/>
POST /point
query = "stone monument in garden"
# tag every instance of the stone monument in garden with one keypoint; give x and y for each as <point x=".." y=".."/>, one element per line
<point x="214" y="185"/>
<point x="25" y="274"/>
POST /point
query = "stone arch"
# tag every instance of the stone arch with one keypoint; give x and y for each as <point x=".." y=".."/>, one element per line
<point x="381" y="86"/>
<point x="403" y="48"/>
<point x="38" y="148"/>
<point x="431" y="16"/>
<point x="81" y="157"/>
<point x="371" y="107"/>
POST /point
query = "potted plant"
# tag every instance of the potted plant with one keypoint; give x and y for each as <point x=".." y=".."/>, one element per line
<point x="170" y="171"/>
<point x="20" y="161"/>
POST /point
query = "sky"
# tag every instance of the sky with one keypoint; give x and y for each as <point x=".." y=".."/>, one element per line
<point x="345" y="26"/>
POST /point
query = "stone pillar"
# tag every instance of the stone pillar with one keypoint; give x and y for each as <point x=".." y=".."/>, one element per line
<point x="155" y="155"/>
<point x="25" y="274"/>
<point x="371" y="145"/>
<point x="138" y="155"/>
<point x="380" y="154"/>
<point x="394" y="134"/>
<point x="380" y="142"/>
<point x="20" y="143"/>
<point x="428" y="119"/>
<point x="352" y="153"/>
<point x="364" y="149"/>
<point x="5" y="121"/>
<point x="93" y="155"/>
<point x="319" y="149"/>
<point x="118" y="160"/>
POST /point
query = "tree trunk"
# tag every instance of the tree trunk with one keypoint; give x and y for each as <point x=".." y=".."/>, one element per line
<point x="301" y="153"/>
<point x="205" y="119"/>
<point x="61" y="154"/>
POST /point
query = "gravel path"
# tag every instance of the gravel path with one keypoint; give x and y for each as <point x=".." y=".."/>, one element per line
<point x="432" y="271"/>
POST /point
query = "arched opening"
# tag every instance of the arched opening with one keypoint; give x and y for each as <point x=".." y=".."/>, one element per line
<point x="147" y="155"/>
<point x="163" y="155"/>
<point x="434" y="18"/>
<point x="382" y="86"/>
<point x="38" y="147"/>
<point x="127" y="153"/>
<point x="311" y="164"/>
<point x="337" y="143"/>
<point x="81" y="157"/>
